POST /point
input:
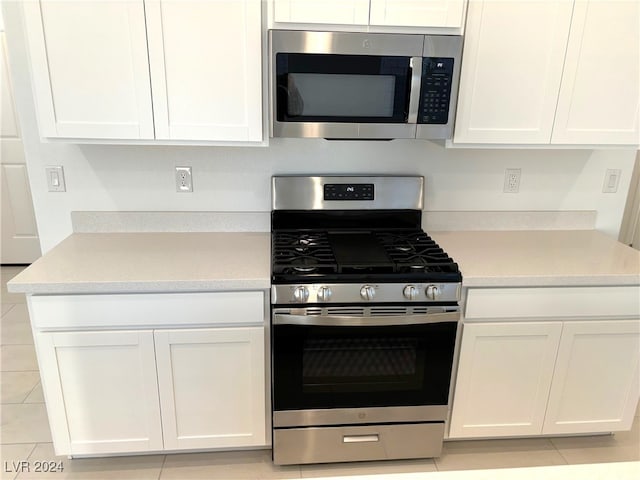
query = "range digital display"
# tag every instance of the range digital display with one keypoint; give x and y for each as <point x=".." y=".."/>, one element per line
<point x="348" y="191"/>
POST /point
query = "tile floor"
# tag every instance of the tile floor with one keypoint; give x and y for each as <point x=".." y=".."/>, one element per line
<point x="25" y="435"/>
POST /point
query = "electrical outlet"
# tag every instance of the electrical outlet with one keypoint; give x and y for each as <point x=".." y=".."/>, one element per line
<point x="611" y="180"/>
<point x="511" y="180"/>
<point x="184" y="180"/>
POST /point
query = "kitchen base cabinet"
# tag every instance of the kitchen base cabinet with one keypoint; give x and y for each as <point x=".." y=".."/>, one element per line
<point x="596" y="379"/>
<point x="118" y="377"/>
<point x="101" y="391"/>
<point x="504" y="379"/>
<point x="566" y="368"/>
<point x="211" y="393"/>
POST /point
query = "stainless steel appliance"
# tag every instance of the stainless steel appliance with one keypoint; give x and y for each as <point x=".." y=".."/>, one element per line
<point x="364" y="321"/>
<point x="363" y="85"/>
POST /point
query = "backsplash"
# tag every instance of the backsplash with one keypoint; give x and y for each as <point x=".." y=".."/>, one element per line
<point x="228" y="179"/>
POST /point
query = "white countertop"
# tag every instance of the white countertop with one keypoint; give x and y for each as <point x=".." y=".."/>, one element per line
<point x="540" y="258"/>
<point x="150" y="262"/>
<point x="192" y="262"/>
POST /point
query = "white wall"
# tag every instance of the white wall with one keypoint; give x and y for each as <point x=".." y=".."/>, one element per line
<point x="109" y="177"/>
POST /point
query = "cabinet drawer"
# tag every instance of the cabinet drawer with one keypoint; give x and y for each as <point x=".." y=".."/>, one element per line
<point x="146" y="310"/>
<point x="560" y="302"/>
<point x="356" y="443"/>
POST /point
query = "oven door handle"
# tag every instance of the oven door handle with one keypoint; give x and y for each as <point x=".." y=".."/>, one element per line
<point x="377" y="321"/>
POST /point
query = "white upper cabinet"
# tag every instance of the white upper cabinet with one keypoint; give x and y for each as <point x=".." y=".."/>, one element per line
<point x="374" y="13"/>
<point x="90" y="68"/>
<point x="511" y="71"/>
<point x="417" y="13"/>
<point x="200" y="80"/>
<point x="340" y="12"/>
<point x="552" y="72"/>
<point x="206" y="69"/>
<point x="600" y="93"/>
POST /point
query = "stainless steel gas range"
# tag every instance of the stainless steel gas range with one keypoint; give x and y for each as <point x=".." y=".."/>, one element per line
<point x="364" y="321"/>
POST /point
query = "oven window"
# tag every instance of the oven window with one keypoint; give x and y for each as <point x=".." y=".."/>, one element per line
<point x="361" y="364"/>
<point x="342" y="88"/>
<point x="340" y="367"/>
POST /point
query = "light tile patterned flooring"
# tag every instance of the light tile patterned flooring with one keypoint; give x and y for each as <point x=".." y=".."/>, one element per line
<point x="25" y="435"/>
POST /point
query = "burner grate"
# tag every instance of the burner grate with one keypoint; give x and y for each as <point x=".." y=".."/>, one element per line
<point x="311" y="254"/>
<point x="297" y="253"/>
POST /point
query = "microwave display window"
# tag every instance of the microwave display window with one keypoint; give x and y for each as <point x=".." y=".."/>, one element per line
<point x="340" y="95"/>
<point x="342" y="88"/>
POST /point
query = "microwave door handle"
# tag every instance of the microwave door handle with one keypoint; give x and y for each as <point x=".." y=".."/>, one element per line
<point x="414" y="97"/>
<point x="378" y="321"/>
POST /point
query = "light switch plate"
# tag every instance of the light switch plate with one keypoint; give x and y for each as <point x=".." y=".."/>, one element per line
<point x="611" y="180"/>
<point x="55" y="179"/>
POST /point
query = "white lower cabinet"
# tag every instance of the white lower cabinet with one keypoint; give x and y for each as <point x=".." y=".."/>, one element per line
<point x="127" y="381"/>
<point x="596" y="379"/>
<point x="101" y="391"/>
<point x="211" y="393"/>
<point x="533" y="378"/>
<point x="504" y="377"/>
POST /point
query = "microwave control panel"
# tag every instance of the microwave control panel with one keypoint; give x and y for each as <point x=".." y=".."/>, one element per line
<point x="435" y="92"/>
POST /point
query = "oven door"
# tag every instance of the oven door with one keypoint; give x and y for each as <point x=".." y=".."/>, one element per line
<point x="352" y="362"/>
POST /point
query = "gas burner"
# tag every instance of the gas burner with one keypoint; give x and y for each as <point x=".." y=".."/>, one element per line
<point x="304" y="264"/>
<point x="403" y="248"/>
<point x="307" y="269"/>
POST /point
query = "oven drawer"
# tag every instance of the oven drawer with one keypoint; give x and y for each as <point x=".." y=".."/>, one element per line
<point x="346" y="444"/>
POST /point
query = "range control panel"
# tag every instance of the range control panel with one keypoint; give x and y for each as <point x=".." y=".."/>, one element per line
<point x="348" y="191"/>
<point x="435" y="91"/>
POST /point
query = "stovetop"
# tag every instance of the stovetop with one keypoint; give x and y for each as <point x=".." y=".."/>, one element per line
<point x="359" y="255"/>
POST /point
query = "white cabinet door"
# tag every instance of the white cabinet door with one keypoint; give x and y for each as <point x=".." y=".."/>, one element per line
<point x="90" y="68"/>
<point x="595" y="384"/>
<point x="205" y="61"/>
<point x="511" y="71"/>
<point x="340" y="12"/>
<point x="212" y="387"/>
<point x="600" y="93"/>
<point x="101" y="391"/>
<point x="417" y="13"/>
<point x="503" y="380"/>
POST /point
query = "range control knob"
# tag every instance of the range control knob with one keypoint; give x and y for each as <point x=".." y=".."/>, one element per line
<point x="410" y="292"/>
<point x="367" y="292"/>
<point x="301" y="294"/>
<point x="324" y="294"/>
<point x="432" y="292"/>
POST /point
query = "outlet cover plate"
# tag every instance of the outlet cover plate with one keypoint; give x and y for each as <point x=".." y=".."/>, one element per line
<point x="184" y="180"/>
<point x="511" y="180"/>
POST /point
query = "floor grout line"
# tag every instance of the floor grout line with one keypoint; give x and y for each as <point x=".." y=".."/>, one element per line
<point x="12" y="306"/>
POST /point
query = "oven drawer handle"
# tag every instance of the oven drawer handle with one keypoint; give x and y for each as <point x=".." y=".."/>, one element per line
<point x="381" y="321"/>
<point x="360" y="438"/>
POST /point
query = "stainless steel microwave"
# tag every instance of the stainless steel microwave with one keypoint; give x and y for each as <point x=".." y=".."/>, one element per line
<point x="343" y="85"/>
